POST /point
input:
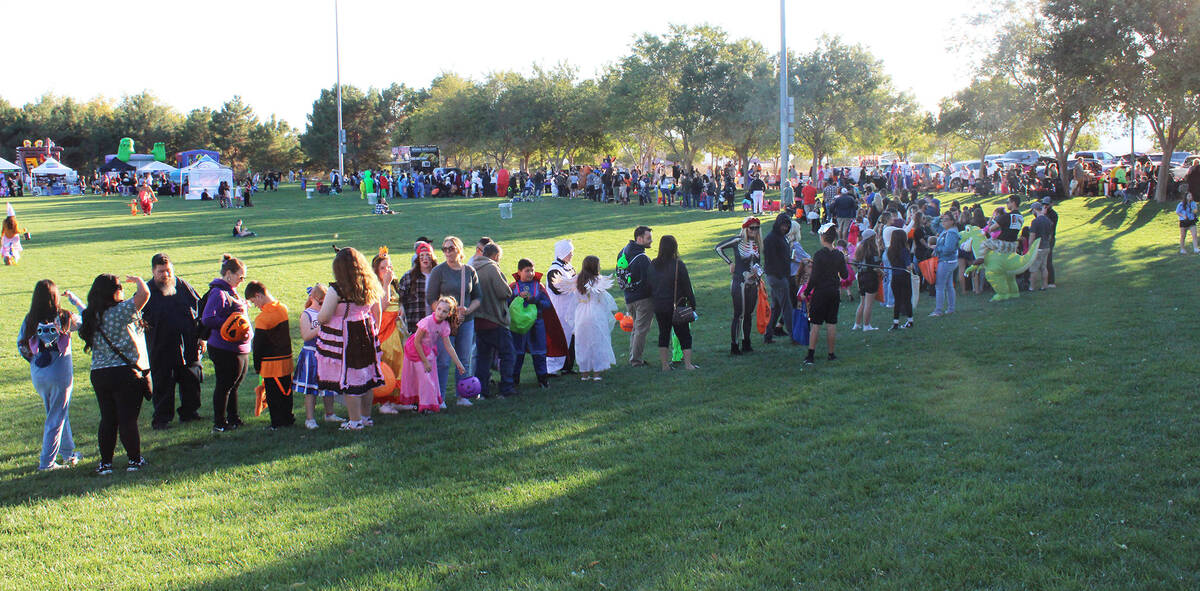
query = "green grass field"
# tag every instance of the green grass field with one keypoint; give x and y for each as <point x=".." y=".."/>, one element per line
<point x="1045" y="443"/>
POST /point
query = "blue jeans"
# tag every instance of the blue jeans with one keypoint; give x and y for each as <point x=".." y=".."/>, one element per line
<point x="464" y="345"/>
<point x="945" y="286"/>
<point x="888" y="300"/>
<point x="489" y="342"/>
<point x="54" y="383"/>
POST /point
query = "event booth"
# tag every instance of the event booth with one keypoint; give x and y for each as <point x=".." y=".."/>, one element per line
<point x="6" y="166"/>
<point x="203" y="174"/>
<point x="54" y="178"/>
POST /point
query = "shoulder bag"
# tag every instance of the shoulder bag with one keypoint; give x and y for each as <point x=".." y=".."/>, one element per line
<point x="142" y="374"/>
<point x="683" y="314"/>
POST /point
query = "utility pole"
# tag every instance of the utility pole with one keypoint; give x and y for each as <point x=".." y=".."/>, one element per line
<point x="786" y="113"/>
<point x="338" y="64"/>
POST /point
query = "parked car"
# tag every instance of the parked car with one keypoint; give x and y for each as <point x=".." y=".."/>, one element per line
<point x="1177" y="158"/>
<point x="1178" y="172"/>
<point x="1105" y="158"/>
<point x="1023" y="157"/>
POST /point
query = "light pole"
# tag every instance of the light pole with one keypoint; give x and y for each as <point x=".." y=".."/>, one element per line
<point x="341" y="135"/>
<point x="785" y="113"/>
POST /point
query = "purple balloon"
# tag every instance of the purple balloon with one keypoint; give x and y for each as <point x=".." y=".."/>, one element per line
<point x="468" y="387"/>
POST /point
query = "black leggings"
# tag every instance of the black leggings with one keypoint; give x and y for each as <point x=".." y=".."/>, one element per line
<point x="120" y="392"/>
<point x="902" y="294"/>
<point x="745" y="299"/>
<point x="663" y="315"/>
<point x="230" y="369"/>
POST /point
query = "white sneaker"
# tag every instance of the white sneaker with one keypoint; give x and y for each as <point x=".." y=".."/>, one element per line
<point x="52" y="467"/>
<point x="463" y="402"/>
<point x="855" y="327"/>
<point x="72" y="459"/>
<point x="334" y="419"/>
<point x="310" y="424"/>
<point x="351" y="426"/>
<point x="869" y="328"/>
<point x="388" y="408"/>
<point x="442" y="406"/>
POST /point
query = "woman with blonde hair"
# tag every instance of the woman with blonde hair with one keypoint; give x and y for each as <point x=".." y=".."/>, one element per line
<point x="746" y="270"/>
<point x="457" y="279"/>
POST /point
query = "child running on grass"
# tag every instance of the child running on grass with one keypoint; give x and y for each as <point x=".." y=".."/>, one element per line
<point x="418" y="378"/>
<point x="304" y="380"/>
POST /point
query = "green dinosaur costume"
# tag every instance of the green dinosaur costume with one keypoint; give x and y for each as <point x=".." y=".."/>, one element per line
<point x="366" y="186"/>
<point x="125" y="149"/>
<point x="1000" y="269"/>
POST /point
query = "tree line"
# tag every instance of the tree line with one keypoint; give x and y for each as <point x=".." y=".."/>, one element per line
<point x="1052" y="71"/>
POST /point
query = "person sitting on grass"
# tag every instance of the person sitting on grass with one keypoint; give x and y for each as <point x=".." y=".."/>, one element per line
<point x="240" y="232"/>
<point x="381" y="207"/>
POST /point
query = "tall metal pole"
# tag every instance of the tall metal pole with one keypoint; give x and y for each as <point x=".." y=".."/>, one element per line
<point x="785" y="185"/>
<point x="341" y="135"/>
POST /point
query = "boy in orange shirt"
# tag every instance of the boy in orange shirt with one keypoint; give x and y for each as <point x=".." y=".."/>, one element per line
<point x="271" y="349"/>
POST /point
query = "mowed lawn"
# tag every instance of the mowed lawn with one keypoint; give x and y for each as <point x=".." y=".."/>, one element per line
<point x="1045" y="443"/>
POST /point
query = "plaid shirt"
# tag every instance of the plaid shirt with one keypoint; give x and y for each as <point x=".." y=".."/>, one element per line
<point x="411" y="290"/>
<point x="830" y="192"/>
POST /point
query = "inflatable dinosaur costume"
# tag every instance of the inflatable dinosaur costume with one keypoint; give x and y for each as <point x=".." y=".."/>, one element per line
<point x="1000" y="269"/>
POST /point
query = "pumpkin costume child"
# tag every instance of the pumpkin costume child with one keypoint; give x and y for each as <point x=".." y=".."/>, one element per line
<point x="271" y="350"/>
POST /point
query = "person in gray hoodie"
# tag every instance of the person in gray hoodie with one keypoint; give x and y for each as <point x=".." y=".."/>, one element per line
<point x="491" y="322"/>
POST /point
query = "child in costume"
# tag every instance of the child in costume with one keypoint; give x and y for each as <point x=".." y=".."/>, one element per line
<point x="419" y="377"/>
<point x="271" y="348"/>
<point x="593" y="320"/>
<point x="392" y="331"/>
<point x="146" y="199"/>
<point x="304" y="380"/>
<point x="348" y="352"/>
<point x="10" y="238"/>
<point x="528" y="286"/>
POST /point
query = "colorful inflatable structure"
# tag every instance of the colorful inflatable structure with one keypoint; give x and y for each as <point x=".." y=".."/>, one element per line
<point x="31" y="155"/>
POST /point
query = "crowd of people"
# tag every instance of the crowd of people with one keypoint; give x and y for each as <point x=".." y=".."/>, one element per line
<point x="375" y="338"/>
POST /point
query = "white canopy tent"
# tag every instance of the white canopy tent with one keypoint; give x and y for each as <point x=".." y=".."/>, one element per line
<point x="155" y="166"/>
<point x="52" y="167"/>
<point x="206" y="174"/>
<point x="6" y="166"/>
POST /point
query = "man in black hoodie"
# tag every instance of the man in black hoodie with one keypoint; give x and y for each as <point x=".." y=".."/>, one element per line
<point x="633" y="269"/>
<point x="777" y="255"/>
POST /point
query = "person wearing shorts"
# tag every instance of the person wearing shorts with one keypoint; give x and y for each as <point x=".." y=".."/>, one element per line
<point x="829" y="269"/>
<point x="1186" y="210"/>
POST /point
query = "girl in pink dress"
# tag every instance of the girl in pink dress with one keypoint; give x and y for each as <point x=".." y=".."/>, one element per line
<point x="348" y="351"/>
<point x="419" y="378"/>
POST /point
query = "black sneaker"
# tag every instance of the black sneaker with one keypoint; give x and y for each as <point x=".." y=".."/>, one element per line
<point x="222" y="428"/>
<point x="809" y="360"/>
<point x="190" y="418"/>
<point x="235" y="423"/>
<point x="894" y="327"/>
<point x="734" y="350"/>
<point x="832" y="357"/>
<point x="135" y="465"/>
<point x="543" y="382"/>
<point x="746" y="348"/>
<point x="103" y="469"/>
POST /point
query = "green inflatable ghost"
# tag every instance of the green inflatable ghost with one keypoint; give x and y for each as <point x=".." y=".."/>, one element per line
<point x="159" y="151"/>
<point x="125" y="149"/>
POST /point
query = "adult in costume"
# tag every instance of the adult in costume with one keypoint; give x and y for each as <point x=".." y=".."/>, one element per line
<point x="746" y="270"/>
<point x="392" y="332"/>
<point x="564" y="305"/>
<point x="1001" y="268"/>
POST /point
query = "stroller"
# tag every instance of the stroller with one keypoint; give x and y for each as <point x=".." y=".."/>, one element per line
<point x="983" y="187"/>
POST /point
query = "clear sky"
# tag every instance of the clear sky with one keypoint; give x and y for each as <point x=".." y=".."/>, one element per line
<point x="279" y="55"/>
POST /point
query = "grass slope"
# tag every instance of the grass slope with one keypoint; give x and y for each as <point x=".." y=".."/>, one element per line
<point x="1049" y="442"/>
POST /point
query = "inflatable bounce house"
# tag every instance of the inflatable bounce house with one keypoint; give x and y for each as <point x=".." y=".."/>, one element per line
<point x="125" y="153"/>
<point x="31" y="155"/>
<point x="189" y="157"/>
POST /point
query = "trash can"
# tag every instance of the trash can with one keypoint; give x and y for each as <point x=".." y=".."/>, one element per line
<point x="372" y="198"/>
<point x="308" y="193"/>
<point x="506" y="211"/>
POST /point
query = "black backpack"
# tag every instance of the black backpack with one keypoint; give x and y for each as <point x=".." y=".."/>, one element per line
<point x="202" y="332"/>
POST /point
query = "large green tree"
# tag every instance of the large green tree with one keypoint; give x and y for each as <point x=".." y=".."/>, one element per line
<point x="368" y="136"/>
<point x="231" y="127"/>
<point x="838" y="88"/>
<point x="985" y="114"/>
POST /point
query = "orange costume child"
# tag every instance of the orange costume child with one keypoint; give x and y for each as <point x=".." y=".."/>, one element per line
<point x="271" y="349"/>
<point x="10" y="238"/>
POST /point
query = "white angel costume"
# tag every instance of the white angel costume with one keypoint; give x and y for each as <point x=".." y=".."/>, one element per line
<point x="593" y="323"/>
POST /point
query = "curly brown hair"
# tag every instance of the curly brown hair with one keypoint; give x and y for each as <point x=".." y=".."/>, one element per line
<point x="355" y="281"/>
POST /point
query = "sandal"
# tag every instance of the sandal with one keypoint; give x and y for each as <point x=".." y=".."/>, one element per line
<point x="351" y="426"/>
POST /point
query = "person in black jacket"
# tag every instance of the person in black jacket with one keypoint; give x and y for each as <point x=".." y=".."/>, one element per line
<point x="633" y="267"/>
<point x="672" y="287"/>
<point x="174" y="345"/>
<point x="777" y="253"/>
